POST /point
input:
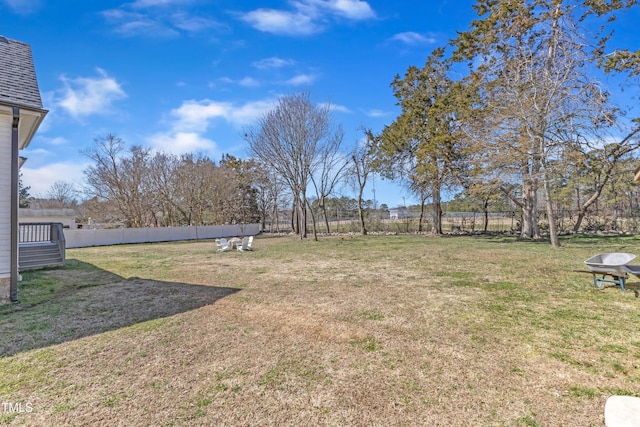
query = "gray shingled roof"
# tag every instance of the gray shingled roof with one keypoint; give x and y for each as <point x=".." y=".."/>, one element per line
<point x="18" y="83"/>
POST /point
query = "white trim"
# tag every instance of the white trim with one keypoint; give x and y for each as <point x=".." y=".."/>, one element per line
<point x="30" y="120"/>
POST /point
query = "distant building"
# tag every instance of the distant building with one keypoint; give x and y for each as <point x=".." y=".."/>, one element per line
<point x="67" y="217"/>
<point x="401" y="212"/>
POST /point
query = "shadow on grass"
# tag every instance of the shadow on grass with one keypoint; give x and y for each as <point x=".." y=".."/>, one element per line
<point x="85" y="300"/>
<point x="633" y="287"/>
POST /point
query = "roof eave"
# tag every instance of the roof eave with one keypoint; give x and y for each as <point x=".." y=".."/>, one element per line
<point x="30" y="120"/>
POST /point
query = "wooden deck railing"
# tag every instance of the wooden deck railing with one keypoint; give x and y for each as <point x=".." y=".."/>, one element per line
<point x="42" y="232"/>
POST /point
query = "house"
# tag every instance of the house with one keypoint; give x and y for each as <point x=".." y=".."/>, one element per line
<point x="67" y="217"/>
<point x="20" y="116"/>
<point x="400" y="212"/>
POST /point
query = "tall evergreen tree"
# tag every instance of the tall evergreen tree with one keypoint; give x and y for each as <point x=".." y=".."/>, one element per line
<point x="24" y="198"/>
<point x="533" y="65"/>
<point x="423" y="144"/>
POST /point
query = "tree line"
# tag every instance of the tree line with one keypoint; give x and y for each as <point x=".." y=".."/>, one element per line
<point x="144" y="188"/>
<point x="510" y="112"/>
<point x="512" y="106"/>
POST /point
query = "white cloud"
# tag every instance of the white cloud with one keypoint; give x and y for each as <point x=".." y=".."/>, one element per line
<point x="245" y="82"/>
<point x="281" y="22"/>
<point x="301" y="80"/>
<point x="308" y="17"/>
<point x="192" y="24"/>
<point x="193" y="118"/>
<point x="23" y="7"/>
<point x="248" y="113"/>
<point x="182" y="142"/>
<point x="41" y="179"/>
<point x="134" y="19"/>
<point x="57" y="141"/>
<point x="272" y="63"/>
<point x="134" y="23"/>
<point x="249" y="82"/>
<point x="154" y="3"/>
<point x="377" y="113"/>
<point x="413" y="38"/>
<point x="85" y="96"/>
<point x="351" y="9"/>
<point x="196" y="116"/>
<point x="336" y="107"/>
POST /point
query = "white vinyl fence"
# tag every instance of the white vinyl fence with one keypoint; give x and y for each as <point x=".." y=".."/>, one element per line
<point x="85" y="237"/>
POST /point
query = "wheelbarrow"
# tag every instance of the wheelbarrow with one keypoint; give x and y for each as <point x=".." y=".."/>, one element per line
<point x="612" y="265"/>
<point x="633" y="269"/>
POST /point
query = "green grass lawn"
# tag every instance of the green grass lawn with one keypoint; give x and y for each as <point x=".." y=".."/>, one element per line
<point x="352" y="330"/>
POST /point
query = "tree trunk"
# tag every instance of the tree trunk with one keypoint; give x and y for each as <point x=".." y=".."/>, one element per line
<point x="326" y="217"/>
<point x="579" y="219"/>
<point x="437" y="211"/>
<point x="303" y="215"/>
<point x="582" y="212"/>
<point x="313" y="222"/>
<point x="551" y="217"/>
<point x="326" y="222"/>
<point x="421" y="216"/>
<point x="276" y="216"/>
<point x="294" y="215"/>
<point x="529" y="224"/>
<point x="363" y="228"/>
<point x="485" y="210"/>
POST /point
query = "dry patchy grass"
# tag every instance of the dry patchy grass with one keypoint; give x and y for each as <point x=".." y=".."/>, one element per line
<point x="382" y="330"/>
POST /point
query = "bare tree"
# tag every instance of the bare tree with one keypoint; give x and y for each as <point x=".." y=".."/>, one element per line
<point x="193" y="178"/>
<point x="290" y="138"/>
<point x="165" y="189"/>
<point x="63" y="194"/>
<point x="331" y="166"/>
<point x="120" y="179"/>
<point x="597" y="167"/>
<point x="269" y="192"/>
<point x="362" y="165"/>
<point x="243" y="201"/>
<point x="162" y="181"/>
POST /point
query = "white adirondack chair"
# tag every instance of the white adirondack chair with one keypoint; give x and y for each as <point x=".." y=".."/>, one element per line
<point x="223" y="245"/>
<point x="246" y="244"/>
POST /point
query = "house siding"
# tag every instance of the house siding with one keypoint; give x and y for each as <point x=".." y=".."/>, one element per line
<point x="18" y="90"/>
<point x="5" y="198"/>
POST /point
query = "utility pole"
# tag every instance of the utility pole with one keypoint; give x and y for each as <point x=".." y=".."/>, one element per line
<point x="375" y="203"/>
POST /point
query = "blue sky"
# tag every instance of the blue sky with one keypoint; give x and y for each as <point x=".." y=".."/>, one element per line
<point x="189" y="75"/>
